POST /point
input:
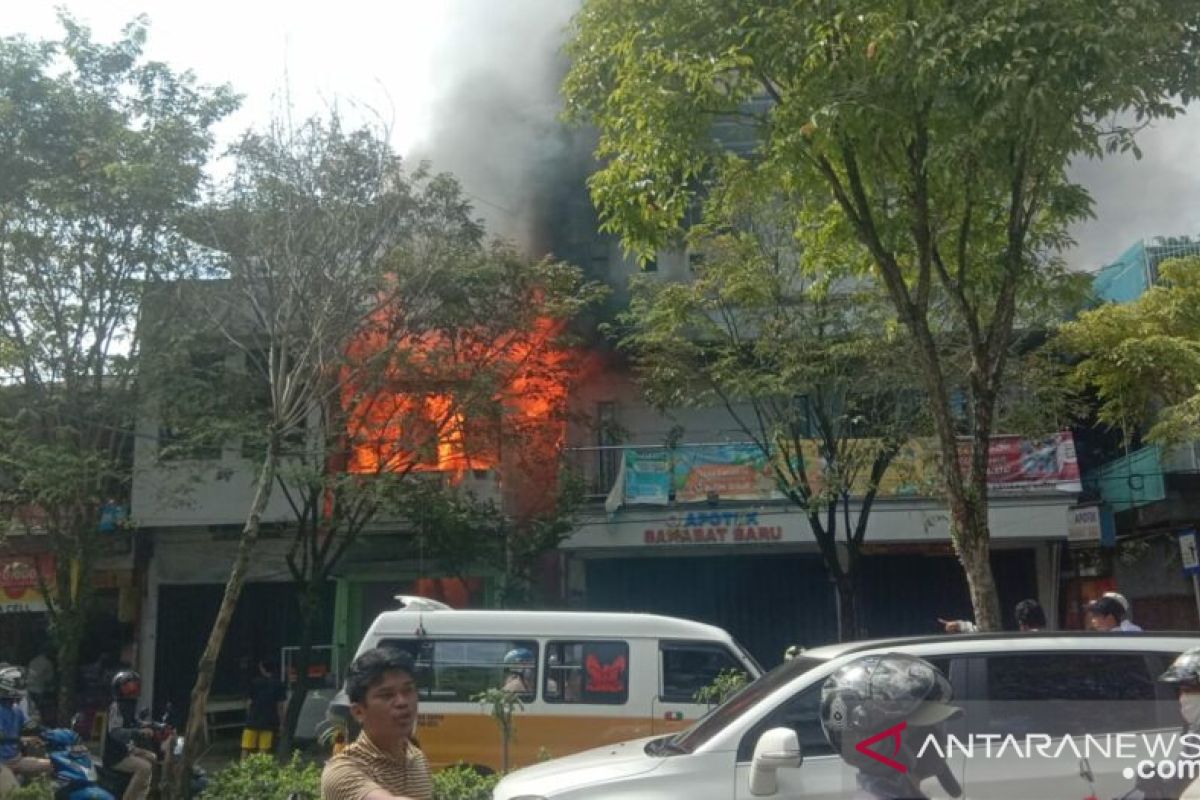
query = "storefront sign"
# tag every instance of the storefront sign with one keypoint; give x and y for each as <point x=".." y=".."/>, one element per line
<point x="19" y="583"/>
<point x="716" y="527"/>
<point x="1091" y="523"/>
<point x="1189" y="552"/>
<point x="742" y="471"/>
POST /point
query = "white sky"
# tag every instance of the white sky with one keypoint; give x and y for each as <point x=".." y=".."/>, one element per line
<point x="400" y="57"/>
<point x="379" y="53"/>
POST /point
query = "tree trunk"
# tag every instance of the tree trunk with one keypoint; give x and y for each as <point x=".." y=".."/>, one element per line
<point x="972" y="540"/>
<point x="68" y="636"/>
<point x="180" y="785"/>
<point x="74" y="590"/>
<point x="308" y="613"/>
<point x="847" y="605"/>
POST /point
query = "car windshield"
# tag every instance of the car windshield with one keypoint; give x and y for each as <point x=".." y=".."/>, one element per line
<point x="711" y="724"/>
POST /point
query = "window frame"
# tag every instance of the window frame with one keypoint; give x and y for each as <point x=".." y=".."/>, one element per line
<point x="980" y="696"/>
<point x="559" y="699"/>
<point x="690" y="644"/>
<point x="426" y="672"/>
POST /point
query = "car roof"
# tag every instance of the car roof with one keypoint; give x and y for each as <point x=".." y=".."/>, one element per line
<point x="1032" y="640"/>
<point x="542" y="623"/>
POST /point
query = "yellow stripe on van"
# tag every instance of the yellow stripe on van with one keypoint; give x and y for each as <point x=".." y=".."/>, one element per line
<point x="473" y="738"/>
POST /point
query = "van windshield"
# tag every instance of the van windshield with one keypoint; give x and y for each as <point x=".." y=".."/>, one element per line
<point x="708" y="726"/>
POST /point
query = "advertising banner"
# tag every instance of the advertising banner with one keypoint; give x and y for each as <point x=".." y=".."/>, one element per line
<point x="741" y="471"/>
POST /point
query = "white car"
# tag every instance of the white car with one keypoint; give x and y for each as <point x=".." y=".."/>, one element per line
<point x="1073" y="689"/>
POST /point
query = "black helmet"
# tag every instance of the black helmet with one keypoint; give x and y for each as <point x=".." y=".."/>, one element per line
<point x="1184" y="670"/>
<point x="873" y="694"/>
<point x="126" y="685"/>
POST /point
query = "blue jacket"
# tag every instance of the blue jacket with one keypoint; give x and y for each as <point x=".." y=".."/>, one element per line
<point x="12" y="722"/>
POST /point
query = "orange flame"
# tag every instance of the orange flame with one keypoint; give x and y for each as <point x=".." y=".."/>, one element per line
<point x="471" y="402"/>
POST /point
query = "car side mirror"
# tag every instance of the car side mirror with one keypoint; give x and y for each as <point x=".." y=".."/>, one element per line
<point x="778" y="748"/>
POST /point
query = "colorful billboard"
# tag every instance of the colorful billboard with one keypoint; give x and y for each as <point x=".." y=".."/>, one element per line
<point x="742" y="471"/>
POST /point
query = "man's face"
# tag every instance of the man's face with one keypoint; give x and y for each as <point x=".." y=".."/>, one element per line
<point x="1102" y="622"/>
<point x="390" y="708"/>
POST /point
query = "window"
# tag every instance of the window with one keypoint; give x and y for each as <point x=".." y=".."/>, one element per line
<point x="802" y="713"/>
<point x="1068" y="694"/>
<point x="454" y="671"/>
<point x="688" y="668"/>
<point x="594" y="673"/>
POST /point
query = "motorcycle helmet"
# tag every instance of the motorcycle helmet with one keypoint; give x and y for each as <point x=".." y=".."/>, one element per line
<point x="12" y="683"/>
<point x="1184" y="670"/>
<point x="126" y="685"/>
<point x="894" y="698"/>
<point x="519" y="658"/>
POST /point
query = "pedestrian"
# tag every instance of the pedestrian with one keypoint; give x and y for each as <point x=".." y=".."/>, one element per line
<point x="12" y="724"/>
<point x="1028" y="614"/>
<point x="40" y="680"/>
<point x="1107" y="614"/>
<point x="383" y="763"/>
<point x="264" y="711"/>
<point x="124" y="726"/>
<point x="1120" y="598"/>
<point x="874" y="693"/>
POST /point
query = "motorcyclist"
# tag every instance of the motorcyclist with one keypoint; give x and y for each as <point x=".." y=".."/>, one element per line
<point x="1184" y="673"/>
<point x="120" y="751"/>
<point x="13" y="723"/>
<point x="903" y="697"/>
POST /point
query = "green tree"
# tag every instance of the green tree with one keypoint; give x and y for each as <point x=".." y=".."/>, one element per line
<point x="294" y="262"/>
<point x="938" y="135"/>
<point x="1143" y="358"/>
<point x="805" y="357"/>
<point x="103" y="150"/>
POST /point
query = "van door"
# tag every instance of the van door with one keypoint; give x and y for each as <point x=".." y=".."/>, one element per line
<point x="686" y="669"/>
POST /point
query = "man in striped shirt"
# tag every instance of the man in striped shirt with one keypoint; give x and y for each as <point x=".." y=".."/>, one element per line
<point x="383" y="763"/>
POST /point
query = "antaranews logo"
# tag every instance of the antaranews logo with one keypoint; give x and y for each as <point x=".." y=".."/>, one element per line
<point x="893" y="734"/>
<point x="1150" y="755"/>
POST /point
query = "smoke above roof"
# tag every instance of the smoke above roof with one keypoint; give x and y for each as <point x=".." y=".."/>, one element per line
<point x="496" y="126"/>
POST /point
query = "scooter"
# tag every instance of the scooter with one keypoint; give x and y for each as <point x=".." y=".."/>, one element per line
<point x="74" y="769"/>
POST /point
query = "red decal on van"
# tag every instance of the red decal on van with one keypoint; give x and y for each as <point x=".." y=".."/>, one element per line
<point x="605" y="677"/>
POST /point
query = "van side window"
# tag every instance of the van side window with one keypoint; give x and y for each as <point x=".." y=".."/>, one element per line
<point x="454" y="671"/>
<point x="688" y="667"/>
<point x="594" y="672"/>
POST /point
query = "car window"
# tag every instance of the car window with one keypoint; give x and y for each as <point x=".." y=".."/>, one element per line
<point x="454" y="671"/>
<point x="1067" y="693"/>
<point x="802" y="713"/>
<point x="689" y="667"/>
<point x="589" y="673"/>
<point x="746" y="698"/>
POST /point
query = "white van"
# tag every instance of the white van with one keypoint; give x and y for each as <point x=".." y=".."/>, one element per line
<point x="585" y="679"/>
<point x="767" y="740"/>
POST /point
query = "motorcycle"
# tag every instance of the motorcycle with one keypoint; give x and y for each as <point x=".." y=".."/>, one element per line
<point x="74" y="769"/>
<point x="160" y="738"/>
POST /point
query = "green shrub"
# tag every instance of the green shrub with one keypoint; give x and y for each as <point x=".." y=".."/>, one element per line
<point x="463" y="783"/>
<point x="40" y="789"/>
<point x="724" y="686"/>
<point x="261" y="777"/>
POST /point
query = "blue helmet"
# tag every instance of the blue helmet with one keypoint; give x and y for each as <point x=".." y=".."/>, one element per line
<point x="519" y="658"/>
